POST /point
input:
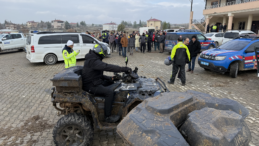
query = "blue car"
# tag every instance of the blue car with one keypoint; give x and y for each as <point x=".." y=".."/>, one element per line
<point x="171" y="40"/>
<point x="233" y="56"/>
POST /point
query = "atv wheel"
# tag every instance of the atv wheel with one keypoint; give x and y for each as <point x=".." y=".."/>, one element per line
<point x="73" y="129"/>
<point x="156" y="120"/>
<point x="234" y="70"/>
<point x="209" y="126"/>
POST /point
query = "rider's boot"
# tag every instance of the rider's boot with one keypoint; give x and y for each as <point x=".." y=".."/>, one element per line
<point x="112" y="119"/>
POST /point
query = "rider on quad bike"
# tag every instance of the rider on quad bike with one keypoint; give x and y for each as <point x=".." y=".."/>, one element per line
<point x="96" y="83"/>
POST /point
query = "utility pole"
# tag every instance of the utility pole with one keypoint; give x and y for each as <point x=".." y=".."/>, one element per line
<point x="191" y="16"/>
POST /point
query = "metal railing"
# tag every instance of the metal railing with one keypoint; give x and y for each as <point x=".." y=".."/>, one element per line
<point x="229" y="3"/>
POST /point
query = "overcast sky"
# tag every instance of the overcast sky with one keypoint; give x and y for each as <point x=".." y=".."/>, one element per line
<point x="99" y="11"/>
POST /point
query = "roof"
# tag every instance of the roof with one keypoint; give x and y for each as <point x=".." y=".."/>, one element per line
<point x="154" y="19"/>
<point x="110" y="24"/>
<point x="31" y="22"/>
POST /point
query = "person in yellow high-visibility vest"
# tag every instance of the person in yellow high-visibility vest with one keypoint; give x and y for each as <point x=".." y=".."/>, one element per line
<point x="69" y="54"/>
<point x="214" y="28"/>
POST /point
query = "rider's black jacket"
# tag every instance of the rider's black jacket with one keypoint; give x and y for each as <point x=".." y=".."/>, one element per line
<point x="92" y="74"/>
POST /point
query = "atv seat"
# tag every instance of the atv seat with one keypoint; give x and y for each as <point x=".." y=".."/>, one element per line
<point x="113" y="87"/>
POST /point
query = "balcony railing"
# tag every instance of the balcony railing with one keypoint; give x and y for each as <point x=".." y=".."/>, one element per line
<point x="230" y="3"/>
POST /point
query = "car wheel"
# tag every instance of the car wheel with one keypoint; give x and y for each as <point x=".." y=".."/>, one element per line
<point x="217" y="44"/>
<point x="73" y="130"/>
<point x="50" y="59"/>
<point x="234" y="70"/>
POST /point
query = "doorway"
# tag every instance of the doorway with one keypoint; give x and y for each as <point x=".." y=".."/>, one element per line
<point x="255" y="28"/>
<point x="218" y="24"/>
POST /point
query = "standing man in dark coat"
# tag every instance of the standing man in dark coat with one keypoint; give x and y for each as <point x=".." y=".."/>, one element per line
<point x="208" y="28"/>
<point x="149" y="41"/>
<point x="194" y="48"/>
<point x="224" y="27"/>
<point x="96" y="83"/>
<point x="220" y="28"/>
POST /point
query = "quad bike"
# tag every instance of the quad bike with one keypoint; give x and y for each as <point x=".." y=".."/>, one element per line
<point x="84" y="112"/>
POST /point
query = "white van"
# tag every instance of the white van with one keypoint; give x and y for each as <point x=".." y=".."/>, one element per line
<point x="13" y="41"/>
<point x="230" y="35"/>
<point x="47" y="46"/>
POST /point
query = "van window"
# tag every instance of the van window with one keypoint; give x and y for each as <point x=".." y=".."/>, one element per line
<point x="231" y="35"/>
<point x="16" y="36"/>
<point x="74" y="38"/>
<point x="87" y="39"/>
<point x="188" y="36"/>
<point x="8" y="37"/>
<point x="53" y="39"/>
<point x="171" y="36"/>
<point x="28" y="40"/>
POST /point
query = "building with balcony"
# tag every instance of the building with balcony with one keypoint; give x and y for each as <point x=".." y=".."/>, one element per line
<point x="236" y="14"/>
<point x="58" y="24"/>
<point x="154" y="23"/>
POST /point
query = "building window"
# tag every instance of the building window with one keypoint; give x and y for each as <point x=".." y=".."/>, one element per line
<point x="241" y="25"/>
<point x="214" y="4"/>
<point x="230" y="2"/>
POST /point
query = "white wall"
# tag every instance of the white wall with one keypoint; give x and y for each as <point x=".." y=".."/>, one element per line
<point x="110" y="27"/>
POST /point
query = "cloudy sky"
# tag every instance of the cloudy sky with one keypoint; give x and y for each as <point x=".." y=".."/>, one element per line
<point x="99" y="11"/>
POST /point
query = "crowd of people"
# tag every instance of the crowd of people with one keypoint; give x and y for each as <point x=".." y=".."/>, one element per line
<point x="215" y="28"/>
<point x="123" y="42"/>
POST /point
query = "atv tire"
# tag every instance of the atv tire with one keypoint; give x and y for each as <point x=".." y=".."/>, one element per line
<point x="209" y="126"/>
<point x="234" y="69"/>
<point x="156" y="120"/>
<point x="73" y="130"/>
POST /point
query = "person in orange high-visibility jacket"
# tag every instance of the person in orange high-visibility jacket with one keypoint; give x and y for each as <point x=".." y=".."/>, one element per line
<point x="69" y="54"/>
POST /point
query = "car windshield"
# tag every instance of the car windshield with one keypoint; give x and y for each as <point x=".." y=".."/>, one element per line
<point x="234" y="45"/>
<point x="231" y="35"/>
<point x="209" y="35"/>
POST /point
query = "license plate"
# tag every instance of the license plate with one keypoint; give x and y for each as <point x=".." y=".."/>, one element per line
<point x="205" y="63"/>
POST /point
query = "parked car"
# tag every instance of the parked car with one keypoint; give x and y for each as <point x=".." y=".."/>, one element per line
<point x="171" y="40"/>
<point x="233" y="34"/>
<point x="13" y="41"/>
<point x="233" y="56"/>
<point x="47" y="46"/>
<point x="217" y="37"/>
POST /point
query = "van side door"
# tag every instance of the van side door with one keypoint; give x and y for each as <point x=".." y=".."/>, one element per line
<point x="7" y="42"/>
<point x="249" y="56"/>
<point x="202" y="40"/>
<point x="88" y="44"/>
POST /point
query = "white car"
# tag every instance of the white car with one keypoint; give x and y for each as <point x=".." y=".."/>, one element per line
<point x="230" y="35"/>
<point x="217" y="37"/>
<point x="47" y="46"/>
<point x="13" y="41"/>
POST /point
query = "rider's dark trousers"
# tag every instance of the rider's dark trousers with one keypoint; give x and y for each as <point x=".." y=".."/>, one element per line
<point x="104" y="91"/>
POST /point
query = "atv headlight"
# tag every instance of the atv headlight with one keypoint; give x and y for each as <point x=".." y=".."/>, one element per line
<point x="220" y="57"/>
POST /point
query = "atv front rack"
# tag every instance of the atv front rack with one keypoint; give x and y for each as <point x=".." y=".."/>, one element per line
<point x="162" y="84"/>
